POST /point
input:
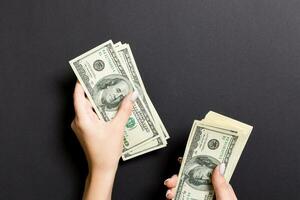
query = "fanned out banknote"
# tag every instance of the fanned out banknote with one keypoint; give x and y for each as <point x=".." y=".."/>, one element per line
<point x="108" y="73"/>
<point x="214" y="140"/>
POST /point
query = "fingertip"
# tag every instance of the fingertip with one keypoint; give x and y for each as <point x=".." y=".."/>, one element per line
<point x="174" y="176"/>
<point x="170" y="194"/>
<point x="78" y="87"/>
<point x="219" y="182"/>
<point x="129" y="100"/>
<point x="124" y="112"/>
<point x="217" y="179"/>
<point x="79" y="99"/>
<point x="179" y="159"/>
<point x="78" y="94"/>
<point x="166" y="182"/>
<point x="219" y="170"/>
<point x="171" y="182"/>
<point x="126" y="106"/>
<point x="222" y="167"/>
<point x="134" y="95"/>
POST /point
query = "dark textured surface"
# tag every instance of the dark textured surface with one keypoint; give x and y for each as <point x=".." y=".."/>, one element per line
<point x="239" y="58"/>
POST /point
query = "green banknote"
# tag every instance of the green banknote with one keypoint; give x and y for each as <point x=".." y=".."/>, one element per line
<point x="216" y="139"/>
<point x="131" y="68"/>
<point x="106" y="83"/>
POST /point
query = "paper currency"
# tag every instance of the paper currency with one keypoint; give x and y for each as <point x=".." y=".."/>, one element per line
<point x="214" y="140"/>
<point x="129" y="64"/>
<point x="107" y="78"/>
<point x="127" y="58"/>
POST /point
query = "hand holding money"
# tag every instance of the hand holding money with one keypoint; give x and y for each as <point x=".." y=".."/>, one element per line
<point x="107" y="74"/>
<point x="222" y="188"/>
<point x="101" y="141"/>
<point x="214" y="142"/>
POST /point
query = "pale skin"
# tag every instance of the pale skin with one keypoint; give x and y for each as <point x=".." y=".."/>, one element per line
<point x="102" y="143"/>
<point x="222" y="188"/>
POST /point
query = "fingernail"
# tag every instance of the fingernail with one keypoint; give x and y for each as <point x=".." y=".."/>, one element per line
<point x="168" y="193"/>
<point x="222" y="169"/>
<point x="166" y="181"/>
<point x="134" y="96"/>
<point x="179" y="159"/>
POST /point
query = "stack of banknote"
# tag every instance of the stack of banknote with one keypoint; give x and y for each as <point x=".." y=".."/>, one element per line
<point x="214" y="140"/>
<point x="108" y="73"/>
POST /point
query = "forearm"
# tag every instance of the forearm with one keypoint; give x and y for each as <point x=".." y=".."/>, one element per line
<point x="99" y="184"/>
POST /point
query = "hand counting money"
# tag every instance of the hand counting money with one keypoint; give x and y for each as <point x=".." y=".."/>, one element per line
<point x="108" y="73"/>
<point x="214" y="140"/>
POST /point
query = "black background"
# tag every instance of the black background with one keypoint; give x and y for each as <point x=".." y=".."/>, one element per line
<point x="239" y="58"/>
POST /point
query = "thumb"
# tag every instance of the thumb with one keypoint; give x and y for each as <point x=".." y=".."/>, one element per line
<point x="125" y="109"/>
<point x="221" y="186"/>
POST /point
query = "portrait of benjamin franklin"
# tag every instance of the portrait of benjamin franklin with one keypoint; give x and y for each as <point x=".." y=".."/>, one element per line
<point x="110" y="90"/>
<point x="198" y="172"/>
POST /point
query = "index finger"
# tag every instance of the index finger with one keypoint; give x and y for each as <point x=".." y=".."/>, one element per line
<point x="79" y="100"/>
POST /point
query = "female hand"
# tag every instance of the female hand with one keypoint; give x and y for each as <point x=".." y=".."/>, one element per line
<point x="101" y="141"/>
<point x="223" y="190"/>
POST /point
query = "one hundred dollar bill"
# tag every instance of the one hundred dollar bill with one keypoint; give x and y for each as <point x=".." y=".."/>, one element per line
<point x="216" y="139"/>
<point x="127" y="58"/>
<point x="106" y="83"/>
<point x="129" y="64"/>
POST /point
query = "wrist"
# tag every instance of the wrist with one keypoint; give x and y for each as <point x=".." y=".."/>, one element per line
<point x="99" y="182"/>
<point x="108" y="170"/>
<point x="106" y="175"/>
<point x="103" y="164"/>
